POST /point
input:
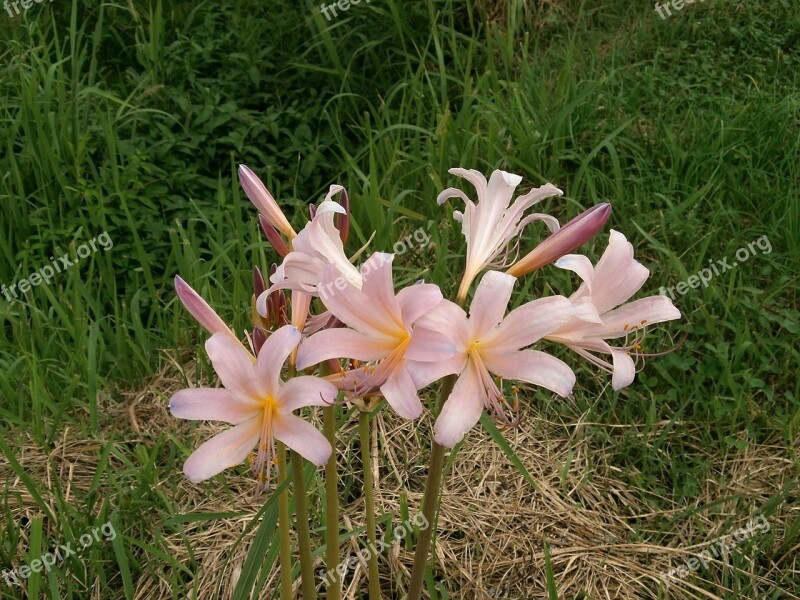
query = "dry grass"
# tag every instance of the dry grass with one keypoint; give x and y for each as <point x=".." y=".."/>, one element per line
<point x="492" y="523"/>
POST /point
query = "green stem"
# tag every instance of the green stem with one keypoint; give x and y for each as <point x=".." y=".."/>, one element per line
<point x="331" y="507"/>
<point x="284" y="526"/>
<point x="430" y="503"/>
<point x="369" y="497"/>
<point x="303" y="533"/>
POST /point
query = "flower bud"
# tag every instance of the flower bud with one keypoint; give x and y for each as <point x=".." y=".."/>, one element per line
<point x="264" y="202"/>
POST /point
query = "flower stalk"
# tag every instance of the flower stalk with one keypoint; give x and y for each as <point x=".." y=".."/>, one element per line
<point x="331" y="506"/>
<point x="369" y="499"/>
<point x="303" y="533"/>
<point x="284" y="526"/>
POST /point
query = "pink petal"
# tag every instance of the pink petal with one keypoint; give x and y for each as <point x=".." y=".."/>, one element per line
<point x="585" y="310"/>
<point x="273" y="355"/>
<point x="529" y="323"/>
<point x="617" y="275"/>
<point x="342" y="343"/>
<point x="301" y="303"/>
<point x="379" y="286"/>
<point x="212" y="404"/>
<point x="302" y="437"/>
<point x="234" y="365"/>
<point x="401" y="394"/>
<point x="306" y="391"/>
<point x="223" y="451"/>
<point x="490" y="302"/>
<point x="324" y="238"/>
<point x="425" y="373"/>
<point x="461" y="410"/>
<point x="624" y="369"/>
<point x="447" y="318"/>
<point x="353" y="307"/>
<point x="428" y="345"/>
<point x="636" y="314"/>
<point x="578" y="264"/>
<point x="417" y="300"/>
<point x="200" y="309"/>
<point x="532" y="366"/>
<point x="476" y="178"/>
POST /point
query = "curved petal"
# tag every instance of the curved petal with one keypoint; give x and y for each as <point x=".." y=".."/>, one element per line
<point x="273" y="355"/>
<point x="425" y="373"/>
<point x="645" y="311"/>
<point x="532" y="366"/>
<point x="461" y="410"/>
<point x="212" y="404"/>
<point x="342" y="343"/>
<point x="490" y="302"/>
<point x="353" y="307"/>
<point x="529" y="323"/>
<point x="325" y="239"/>
<point x="447" y="318"/>
<point x="379" y="286"/>
<point x="578" y="264"/>
<point x="234" y="365"/>
<point x="585" y="310"/>
<point x="302" y="437"/>
<point x="624" y="369"/>
<point x="417" y="300"/>
<point x="306" y="391"/>
<point x="617" y="275"/>
<point x="476" y="178"/>
<point x="224" y="450"/>
<point x="428" y="346"/>
<point x="401" y="394"/>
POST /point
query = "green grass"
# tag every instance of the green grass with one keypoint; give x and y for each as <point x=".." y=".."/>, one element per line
<point x="131" y="119"/>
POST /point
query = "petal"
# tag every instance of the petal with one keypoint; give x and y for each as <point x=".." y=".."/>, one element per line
<point x="617" y="275"/>
<point x="353" y="307"/>
<point x="490" y="302"/>
<point x="302" y="437"/>
<point x="342" y="343"/>
<point x="200" y="309"/>
<point x="585" y="310"/>
<point x="476" y="178"/>
<point x="461" y="410"/>
<point x="234" y="365"/>
<point x="212" y="404"/>
<point x="532" y="366"/>
<point x="645" y="311"/>
<point x="425" y="373"/>
<point x="578" y="264"/>
<point x="401" y="394"/>
<point x="447" y="318"/>
<point x="224" y="450"/>
<point x="306" y="391"/>
<point x="417" y="300"/>
<point x="273" y="355"/>
<point x="379" y="286"/>
<point x="624" y="369"/>
<point x="529" y="323"/>
<point x="428" y="346"/>
<point x="325" y="239"/>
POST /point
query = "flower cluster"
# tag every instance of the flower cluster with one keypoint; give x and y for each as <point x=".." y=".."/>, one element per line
<point x="348" y="331"/>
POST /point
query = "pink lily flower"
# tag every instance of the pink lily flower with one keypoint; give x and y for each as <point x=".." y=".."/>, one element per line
<point x="319" y="244"/>
<point x="257" y="404"/>
<point x="383" y="333"/>
<point x="491" y="224"/>
<point x="600" y="313"/>
<point x="491" y="344"/>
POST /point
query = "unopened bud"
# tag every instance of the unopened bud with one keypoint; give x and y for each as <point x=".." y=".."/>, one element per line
<point x="273" y="237"/>
<point x="264" y="202"/>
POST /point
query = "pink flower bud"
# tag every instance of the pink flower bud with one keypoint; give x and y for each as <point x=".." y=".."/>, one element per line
<point x="273" y="237"/>
<point x="264" y="202"/>
<point x="571" y="236"/>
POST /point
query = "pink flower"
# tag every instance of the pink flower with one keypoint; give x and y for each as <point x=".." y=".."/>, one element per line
<point x="319" y="244"/>
<point x="600" y="313"/>
<point x="382" y="333"/>
<point x="257" y="404"/>
<point x="491" y="224"/>
<point x="489" y="343"/>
